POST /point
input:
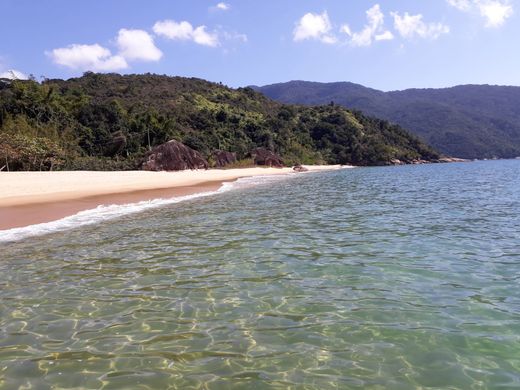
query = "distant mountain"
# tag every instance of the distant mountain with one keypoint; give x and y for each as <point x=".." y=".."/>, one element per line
<point x="109" y="121"/>
<point x="469" y="121"/>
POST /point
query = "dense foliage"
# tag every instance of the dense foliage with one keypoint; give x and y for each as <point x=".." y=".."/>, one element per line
<point x="471" y="121"/>
<point x="109" y="121"/>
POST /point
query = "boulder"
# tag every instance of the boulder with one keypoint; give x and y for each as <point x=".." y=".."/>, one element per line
<point x="223" y="158"/>
<point x="396" y="161"/>
<point x="299" y="168"/>
<point x="116" y="145"/>
<point x="263" y="156"/>
<point x="419" y="162"/>
<point x="173" y="156"/>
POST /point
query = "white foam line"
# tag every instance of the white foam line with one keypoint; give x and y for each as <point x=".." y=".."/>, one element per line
<point x="107" y="212"/>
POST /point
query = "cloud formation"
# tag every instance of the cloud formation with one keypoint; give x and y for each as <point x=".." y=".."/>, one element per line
<point x="88" y="57"/>
<point x="184" y="31"/>
<point x="374" y="30"/>
<point x="222" y="6"/>
<point x="137" y="45"/>
<point x="314" y="27"/>
<point x="319" y="27"/>
<point x="495" y="12"/>
<point x="413" y="26"/>
<point x="133" y="45"/>
<point x="463" y="5"/>
<point x="233" y="36"/>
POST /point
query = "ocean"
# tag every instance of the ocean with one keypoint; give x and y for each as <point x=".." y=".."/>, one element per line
<point x="370" y="278"/>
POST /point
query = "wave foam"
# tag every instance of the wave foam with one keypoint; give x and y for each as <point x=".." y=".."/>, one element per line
<point x="104" y="213"/>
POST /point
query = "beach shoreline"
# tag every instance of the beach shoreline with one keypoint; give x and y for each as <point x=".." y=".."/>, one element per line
<point x="28" y="198"/>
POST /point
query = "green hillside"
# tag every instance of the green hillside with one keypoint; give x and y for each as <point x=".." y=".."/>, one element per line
<point x="468" y="121"/>
<point x="109" y="121"/>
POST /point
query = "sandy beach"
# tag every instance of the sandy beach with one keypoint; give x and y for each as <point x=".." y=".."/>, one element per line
<point x="28" y="198"/>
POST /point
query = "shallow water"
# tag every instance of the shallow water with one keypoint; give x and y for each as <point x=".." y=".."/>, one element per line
<point x="374" y="278"/>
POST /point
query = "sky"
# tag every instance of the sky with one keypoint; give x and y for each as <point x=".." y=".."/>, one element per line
<point x="383" y="44"/>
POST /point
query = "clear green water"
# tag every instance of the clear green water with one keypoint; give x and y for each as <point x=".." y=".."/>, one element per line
<point x="376" y="278"/>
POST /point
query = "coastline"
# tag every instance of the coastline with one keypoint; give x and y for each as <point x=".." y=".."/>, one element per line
<point x="28" y="198"/>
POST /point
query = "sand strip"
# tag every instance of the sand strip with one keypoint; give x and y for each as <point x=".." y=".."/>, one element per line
<point x="30" y="214"/>
<point x="28" y="198"/>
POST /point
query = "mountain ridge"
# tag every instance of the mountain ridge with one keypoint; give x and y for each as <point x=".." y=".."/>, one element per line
<point x="469" y="121"/>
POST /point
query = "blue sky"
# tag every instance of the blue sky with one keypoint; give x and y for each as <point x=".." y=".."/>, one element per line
<point x="384" y="44"/>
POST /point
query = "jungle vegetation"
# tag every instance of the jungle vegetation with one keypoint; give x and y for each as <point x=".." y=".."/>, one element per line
<point x="110" y="122"/>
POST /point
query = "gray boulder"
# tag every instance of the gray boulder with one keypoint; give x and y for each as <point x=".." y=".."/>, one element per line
<point x="263" y="156"/>
<point x="223" y="158"/>
<point x="173" y="156"/>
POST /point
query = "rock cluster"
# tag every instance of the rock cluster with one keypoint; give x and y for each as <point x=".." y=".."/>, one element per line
<point x="420" y="161"/>
<point x="451" y="159"/>
<point x="116" y="145"/>
<point x="173" y="156"/>
<point x="223" y="158"/>
<point x="299" y="168"/>
<point x="263" y="156"/>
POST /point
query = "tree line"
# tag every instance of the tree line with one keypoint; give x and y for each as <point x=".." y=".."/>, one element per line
<point x="110" y="122"/>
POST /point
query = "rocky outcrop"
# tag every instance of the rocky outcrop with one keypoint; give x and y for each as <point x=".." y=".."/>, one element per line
<point x="223" y="158"/>
<point x="116" y="145"/>
<point x="263" y="156"/>
<point x="300" y="168"/>
<point x="173" y="156"/>
<point x="421" y="161"/>
<point x="396" y="161"/>
<point x="451" y="159"/>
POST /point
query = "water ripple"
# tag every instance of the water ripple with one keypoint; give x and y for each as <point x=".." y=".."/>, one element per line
<point x="395" y="278"/>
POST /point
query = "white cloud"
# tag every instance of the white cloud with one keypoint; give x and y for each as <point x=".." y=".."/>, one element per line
<point x="220" y="7"/>
<point x="319" y="27"/>
<point x="314" y="26"/>
<point x="184" y="31"/>
<point x="88" y="57"/>
<point x="373" y="31"/>
<point x="463" y="5"/>
<point x="412" y="26"/>
<point x="234" y="36"/>
<point x="137" y="45"/>
<point x="13" y="74"/>
<point x="133" y="45"/>
<point x="386" y="36"/>
<point x="495" y="12"/>
<point x="223" y="6"/>
<point x="173" y="30"/>
<point x="202" y="37"/>
<point x="346" y="29"/>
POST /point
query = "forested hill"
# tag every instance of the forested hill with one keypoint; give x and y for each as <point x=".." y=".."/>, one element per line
<point x="109" y="121"/>
<point x="468" y="121"/>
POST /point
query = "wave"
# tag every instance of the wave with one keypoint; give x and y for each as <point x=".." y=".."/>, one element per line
<point x="104" y="213"/>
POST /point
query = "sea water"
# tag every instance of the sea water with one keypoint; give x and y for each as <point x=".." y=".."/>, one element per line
<point x="371" y="278"/>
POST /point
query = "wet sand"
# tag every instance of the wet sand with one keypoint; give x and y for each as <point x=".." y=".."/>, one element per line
<point x="28" y="198"/>
<point x="34" y="213"/>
